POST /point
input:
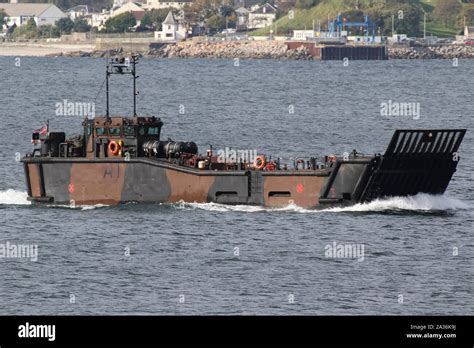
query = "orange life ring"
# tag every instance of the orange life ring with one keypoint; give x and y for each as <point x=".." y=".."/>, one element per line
<point x="114" y="148"/>
<point x="332" y="158"/>
<point x="259" y="162"/>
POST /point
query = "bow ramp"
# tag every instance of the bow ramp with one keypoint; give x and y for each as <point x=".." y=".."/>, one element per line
<point x="416" y="161"/>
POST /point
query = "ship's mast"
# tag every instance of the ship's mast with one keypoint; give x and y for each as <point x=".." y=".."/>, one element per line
<point x="122" y="66"/>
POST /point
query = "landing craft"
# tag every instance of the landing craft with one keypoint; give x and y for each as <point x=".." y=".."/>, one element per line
<point x="124" y="159"/>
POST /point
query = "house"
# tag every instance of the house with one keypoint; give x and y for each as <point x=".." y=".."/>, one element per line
<point x="246" y="3"/>
<point x="171" y="29"/>
<point x="97" y="20"/>
<point x="158" y="4"/>
<point x="135" y="8"/>
<point x="262" y="16"/>
<point x="120" y="3"/>
<point x="43" y="14"/>
<point x="80" y="11"/>
<point x="303" y="35"/>
<point x="242" y="15"/>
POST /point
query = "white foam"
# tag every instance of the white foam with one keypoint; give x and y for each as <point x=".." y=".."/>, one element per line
<point x="77" y="206"/>
<point x="13" y="197"/>
<point x="419" y="202"/>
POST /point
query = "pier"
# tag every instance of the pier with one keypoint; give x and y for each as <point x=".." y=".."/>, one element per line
<point x="339" y="52"/>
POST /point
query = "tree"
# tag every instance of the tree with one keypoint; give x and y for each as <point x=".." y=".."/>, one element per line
<point x="2" y="16"/>
<point x="48" y="31"/>
<point x="305" y="4"/>
<point x="27" y="31"/>
<point x="446" y="11"/>
<point x="468" y="14"/>
<point x="120" y="24"/>
<point x="65" y="25"/>
<point x="154" y="18"/>
<point x="227" y="10"/>
<point x="30" y="25"/>
<point x="81" y="26"/>
<point x="216" y="23"/>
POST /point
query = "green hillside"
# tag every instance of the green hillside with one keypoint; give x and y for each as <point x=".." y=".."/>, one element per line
<point x="443" y="17"/>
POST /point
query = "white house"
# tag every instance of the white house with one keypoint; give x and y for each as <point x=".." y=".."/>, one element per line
<point x="43" y="14"/>
<point x="158" y="4"/>
<point x="303" y="35"/>
<point x="120" y="3"/>
<point x="171" y="29"/>
<point x="262" y="16"/>
<point x="97" y="20"/>
<point x="80" y="11"/>
<point x="135" y="8"/>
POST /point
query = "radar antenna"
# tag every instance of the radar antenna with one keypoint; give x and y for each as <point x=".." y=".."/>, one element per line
<point x="122" y="66"/>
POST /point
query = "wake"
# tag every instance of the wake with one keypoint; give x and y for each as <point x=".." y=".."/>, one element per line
<point x="419" y="202"/>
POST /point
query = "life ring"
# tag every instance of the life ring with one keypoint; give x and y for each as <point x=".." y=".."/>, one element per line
<point x="114" y="148"/>
<point x="259" y="162"/>
<point x="332" y="158"/>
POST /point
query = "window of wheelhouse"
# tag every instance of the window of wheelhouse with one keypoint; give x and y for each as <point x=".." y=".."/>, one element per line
<point x="115" y="131"/>
<point x="129" y="131"/>
<point x="100" y="131"/>
<point x="153" y="131"/>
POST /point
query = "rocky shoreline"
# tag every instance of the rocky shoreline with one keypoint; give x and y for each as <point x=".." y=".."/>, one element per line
<point x="270" y="50"/>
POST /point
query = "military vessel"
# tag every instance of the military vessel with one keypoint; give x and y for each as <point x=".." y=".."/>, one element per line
<point x="124" y="159"/>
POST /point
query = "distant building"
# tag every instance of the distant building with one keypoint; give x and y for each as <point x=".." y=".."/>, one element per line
<point x="262" y="16"/>
<point x="120" y="3"/>
<point x="80" y="11"/>
<point x="303" y="35"/>
<point x="43" y="14"/>
<point x="242" y="15"/>
<point x="366" y="39"/>
<point x="171" y="29"/>
<point x="246" y="3"/>
<point x="158" y="4"/>
<point x="135" y="8"/>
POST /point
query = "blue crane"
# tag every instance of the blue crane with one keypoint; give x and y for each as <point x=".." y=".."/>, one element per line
<point x="367" y="24"/>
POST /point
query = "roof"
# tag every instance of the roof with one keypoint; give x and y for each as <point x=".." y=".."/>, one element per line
<point x="268" y="9"/>
<point x="138" y="15"/>
<point x="169" y="19"/>
<point x="242" y="10"/>
<point x="82" y="8"/>
<point x="25" y="9"/>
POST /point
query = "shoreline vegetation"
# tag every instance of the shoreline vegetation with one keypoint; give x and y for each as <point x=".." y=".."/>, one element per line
<point x="224" y="49"/>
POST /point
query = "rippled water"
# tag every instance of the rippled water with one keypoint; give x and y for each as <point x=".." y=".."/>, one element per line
<point x="190" y="249"/>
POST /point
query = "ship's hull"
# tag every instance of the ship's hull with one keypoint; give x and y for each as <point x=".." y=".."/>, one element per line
<point x="148" y="180"/>
<point x="416" y="161"/>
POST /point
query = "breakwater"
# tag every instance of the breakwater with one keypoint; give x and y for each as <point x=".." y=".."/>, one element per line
<point x="281" y="50"/>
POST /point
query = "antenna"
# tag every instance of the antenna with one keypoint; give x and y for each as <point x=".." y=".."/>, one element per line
<point x="122" y="66"/>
